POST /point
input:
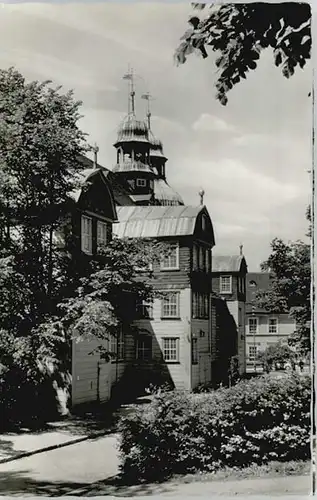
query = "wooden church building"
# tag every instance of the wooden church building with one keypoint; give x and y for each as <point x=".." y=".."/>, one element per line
<point x="177" y="334"/>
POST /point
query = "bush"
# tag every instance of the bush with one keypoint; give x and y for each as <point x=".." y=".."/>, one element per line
<point x="255" y="421"/>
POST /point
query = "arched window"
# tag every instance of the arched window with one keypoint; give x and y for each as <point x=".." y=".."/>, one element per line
<point x="203" y="222"/>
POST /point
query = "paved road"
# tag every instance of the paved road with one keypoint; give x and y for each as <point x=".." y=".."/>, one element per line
<point x="65" y="469"/>
<point x="86" y="468"/>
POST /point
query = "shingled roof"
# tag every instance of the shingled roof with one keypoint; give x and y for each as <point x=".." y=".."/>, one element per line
<point x="228" y="263"/>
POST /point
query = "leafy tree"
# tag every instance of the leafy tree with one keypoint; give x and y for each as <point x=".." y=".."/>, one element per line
<point x="277" y="353"/>
<point x="106" y="300"/>
<point x="237" y="33"/>
<point x="290" y="268"/>
<point x="40" y="147"/>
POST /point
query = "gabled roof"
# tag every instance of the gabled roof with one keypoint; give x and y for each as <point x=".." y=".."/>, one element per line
<point x="121" y="195"/>
<point x="156" y="221"/>
<point x="228" y="263"/>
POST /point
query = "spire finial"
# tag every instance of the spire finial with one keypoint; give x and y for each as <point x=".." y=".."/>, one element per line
<point x="95" y="149"/>
<point x="201" y="194"/>
<point x="130" y="76"/>
<point x="147" y="96"/>
<point x="241" y="248"/>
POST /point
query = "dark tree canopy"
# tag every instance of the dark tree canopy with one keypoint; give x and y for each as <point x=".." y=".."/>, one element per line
<point x="290" y="267"/>
<point x="239" y="32"/>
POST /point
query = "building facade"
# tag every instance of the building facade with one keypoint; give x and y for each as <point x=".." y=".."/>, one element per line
<point x="177" y="340"/>
<point x="263" y="328"/>
<point x="229" y="283"/>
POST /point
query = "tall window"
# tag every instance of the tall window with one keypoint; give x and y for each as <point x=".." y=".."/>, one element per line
<point x="86" y="234"/>
<point x="141" y="182"/>
<point x="272" y="325"/>
<point x="144" y="347"/>
<point x="170" y="259"/>
<point x="194" y="351"/>
<point x="225" y="284"/>
<point x="195" y="257"/>
<point x="170" y="348"/>
<point x="200" y="305"/>
<point x="202" y="262"/>
<point x="253" y="350"/>
<point x="101" y="233"/>
<point x="253" y="325"/>
<point x="117" y="345"/>
<point x="208" y="260"/>
<point x="144" y="310"/>
<point x="170" y="305"/>
<point x="204" y="222"/>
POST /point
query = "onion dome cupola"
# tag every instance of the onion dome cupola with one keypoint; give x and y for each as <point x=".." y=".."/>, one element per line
<point x="133" y="153"/>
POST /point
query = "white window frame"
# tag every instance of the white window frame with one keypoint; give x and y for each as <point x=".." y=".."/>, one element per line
<point x="227" y="291"/>
<point x="86" y="234"/>
<point x="102" y="233"/>
<point x="170" y="345"/>
<point x="166" y="260"/>
<point x="256" y="319"/>
<point x="117" y="345"/>
<point x="168" y="297"/>
<point x="255" y="348"/>
<point x="276" y="325"/>
<point x="141" y="182"/>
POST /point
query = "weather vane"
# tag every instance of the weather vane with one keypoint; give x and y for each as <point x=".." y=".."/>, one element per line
<point x="130" y="76"/>
<point x="147" y="96"/>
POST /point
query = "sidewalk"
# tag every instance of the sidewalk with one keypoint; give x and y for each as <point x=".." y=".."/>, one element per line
<point x="25" y="442"/>
<point x="97" y="422"/>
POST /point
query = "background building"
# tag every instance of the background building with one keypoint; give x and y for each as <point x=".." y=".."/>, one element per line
<point x="263" y="327"/>
<point x="229" y="282"/>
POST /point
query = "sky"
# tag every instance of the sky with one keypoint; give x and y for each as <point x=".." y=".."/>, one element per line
<point x="251" y="157"/>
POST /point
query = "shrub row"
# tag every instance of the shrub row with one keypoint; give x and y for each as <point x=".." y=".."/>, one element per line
<point x="255" y="421"/>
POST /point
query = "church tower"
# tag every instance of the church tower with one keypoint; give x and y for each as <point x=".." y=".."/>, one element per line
<point x="141" y="163"/>
<point x="133" y="168"/>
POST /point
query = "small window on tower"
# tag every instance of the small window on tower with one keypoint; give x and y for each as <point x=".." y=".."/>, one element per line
<point x="141" y="182"/>
<point x="204" y="222"/>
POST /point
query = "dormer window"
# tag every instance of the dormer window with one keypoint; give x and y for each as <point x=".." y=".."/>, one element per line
<point x="141" y="182"/>
<point x="225" y="284"/>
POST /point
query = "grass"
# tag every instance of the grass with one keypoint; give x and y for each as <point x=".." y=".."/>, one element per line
<point x="269" y="470"/>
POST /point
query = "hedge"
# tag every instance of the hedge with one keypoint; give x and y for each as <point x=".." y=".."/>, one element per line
<point x="256" y="421"/>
